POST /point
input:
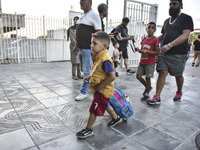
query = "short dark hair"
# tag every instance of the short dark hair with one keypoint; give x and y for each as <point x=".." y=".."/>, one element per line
<point x="125" y="19"/>
<point x="199" y="36"/>
<point x="76" y="17"/>
<point x="102" y="36"/>
<point x="152" y="23"/>
<point x="114" y="43"/>
<point x="101" y="7"/>
<point x="180" y="1"/>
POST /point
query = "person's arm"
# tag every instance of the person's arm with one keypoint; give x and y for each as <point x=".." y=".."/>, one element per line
<point x="119" y="29"/>
<point x="160" y="38"/>
<point x="107" y="81"/>
<point x="87" y="79"/>
<point x="98" y="30"/>
<point x="156" y="52"/>
<point x="127" y="38"/>
<point x="182" y="38"/>
<point x="68" y="34"/>
<point x="124" y="38"/>
<point x="193" y="47"/>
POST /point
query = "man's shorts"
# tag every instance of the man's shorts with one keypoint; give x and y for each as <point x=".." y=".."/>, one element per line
<point x="99" y="104"/>
<point x="174" y="64"/>
<point x="124" y="52"/>
<point x="147" y="70"/>
<point x="115" y="64"/>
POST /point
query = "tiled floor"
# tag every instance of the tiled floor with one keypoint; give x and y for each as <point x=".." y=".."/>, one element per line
<point x="38" y="112"/>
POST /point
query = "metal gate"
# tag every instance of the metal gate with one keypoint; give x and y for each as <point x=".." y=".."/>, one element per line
<point x="140" y="14"/>
<point x="23" y="37"/>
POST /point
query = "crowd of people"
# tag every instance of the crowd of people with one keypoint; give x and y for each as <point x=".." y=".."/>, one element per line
<point x="91" y="42"/>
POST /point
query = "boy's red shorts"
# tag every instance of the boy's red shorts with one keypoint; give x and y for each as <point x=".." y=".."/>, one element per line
<point x="99" y="104"/>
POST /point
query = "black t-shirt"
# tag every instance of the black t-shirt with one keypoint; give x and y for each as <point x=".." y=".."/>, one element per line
<point x="84" y="36"/>
<point x="197" y="45"/>
<point x="173" y="31"/>
<point x="124" y="33"/>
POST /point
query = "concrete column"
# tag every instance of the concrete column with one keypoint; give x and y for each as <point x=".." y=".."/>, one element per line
<point x="1" y="20"/>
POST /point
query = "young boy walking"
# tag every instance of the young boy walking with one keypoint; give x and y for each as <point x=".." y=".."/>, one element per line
<point x="101" y="83"/>
<point x="149" y="49"/>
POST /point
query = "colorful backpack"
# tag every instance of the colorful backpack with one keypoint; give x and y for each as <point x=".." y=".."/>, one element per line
<point x="121" y="104"/>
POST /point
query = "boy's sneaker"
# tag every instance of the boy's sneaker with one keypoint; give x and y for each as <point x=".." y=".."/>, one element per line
<point x="145" y="91"/>
<point x="177" y="96"/>
<point x="114" y="122"/>
<point x="81" y="97"/>
<point x="85" y="133"/>
<point x="129" y="72"/>
<point x="155" y="100"/>
<point x="145" y="98"/>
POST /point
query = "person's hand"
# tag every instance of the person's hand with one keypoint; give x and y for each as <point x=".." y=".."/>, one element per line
<point x="86" y="79"/>
<point x="165" y="48"/>
<point x="111" y="36"/>
<point x="137" y="49"/>
<point x="120" y="53"/>
<point x="130" y="37"/>
<point x="145" y="51"/>
<point x="98" y="88"/>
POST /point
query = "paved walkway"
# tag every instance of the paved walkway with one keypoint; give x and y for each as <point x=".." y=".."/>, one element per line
<point x="38" y="112"/>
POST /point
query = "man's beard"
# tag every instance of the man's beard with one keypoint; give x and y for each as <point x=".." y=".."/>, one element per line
<point x="105" y="15"/>
<point x="174" y="11"/>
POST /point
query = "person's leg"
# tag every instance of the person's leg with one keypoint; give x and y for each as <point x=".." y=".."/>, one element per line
<point x="115" y="118"/>
<point x="176" y="69"/>
<point x="162" y="67"/>
<point x="148" y="85"/>
<point x="159" y="86"/>
<point x="112" y="113"/>
<point x="91" y="120"/>
<point x="139" y="77"/>
<point x="81" y="59"/>
<point x="198" y="58"/>
<point x="149" y="72"/>
<point x="79" y="72"/>
<point x="87" y="59"/>
<point x="74" y="70"/>
<point x="160" y="82"/>
<point x="194" y="58"/>
<point x="126" y="63"/>
<point x="179" y="83"/>
<point x="125" y="57"/>
<point x="87" y="131"/>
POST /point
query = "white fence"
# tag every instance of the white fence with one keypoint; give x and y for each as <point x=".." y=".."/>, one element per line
<point x="22" y="50"/>
<point x="26" y="38"/>
<point x="23" y="37"/>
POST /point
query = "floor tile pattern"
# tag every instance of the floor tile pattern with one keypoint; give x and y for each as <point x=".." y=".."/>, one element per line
<point x="38" y="112"/>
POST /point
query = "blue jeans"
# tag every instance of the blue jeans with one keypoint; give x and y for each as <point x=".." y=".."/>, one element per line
<point x="87" y="64"/>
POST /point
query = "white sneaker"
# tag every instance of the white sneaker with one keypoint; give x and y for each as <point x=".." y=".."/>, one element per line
<point x="81" y="97"/>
